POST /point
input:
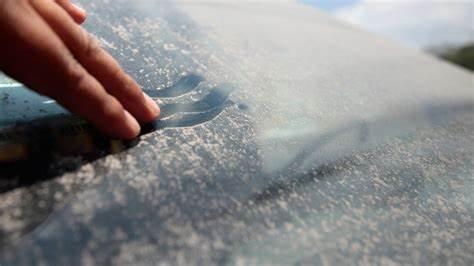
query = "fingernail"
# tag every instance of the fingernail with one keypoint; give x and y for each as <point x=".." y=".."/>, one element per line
<point x="79" y="9"/>
<point x="152" y="105"/>
<point x="133" y="127"/>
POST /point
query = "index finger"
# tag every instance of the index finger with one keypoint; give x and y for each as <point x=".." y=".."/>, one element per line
<point x="98" y="62"/>
<point x="53" y="71"/>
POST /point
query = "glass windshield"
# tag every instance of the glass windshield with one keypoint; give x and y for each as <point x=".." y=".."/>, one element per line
<point x="286" y="137"/>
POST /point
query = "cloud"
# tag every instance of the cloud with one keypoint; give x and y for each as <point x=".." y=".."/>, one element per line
<point x="416" y="23"/>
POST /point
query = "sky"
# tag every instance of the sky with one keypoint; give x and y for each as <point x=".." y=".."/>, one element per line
<point x="416" y="23"/>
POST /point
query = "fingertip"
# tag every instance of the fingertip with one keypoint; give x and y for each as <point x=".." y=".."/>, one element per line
<point x="81" y="20"/>
<point x="153" y="108"/>
<point x="77" y="13"/>
<point x="80" y="14"/>
<point x="132" y="128"/>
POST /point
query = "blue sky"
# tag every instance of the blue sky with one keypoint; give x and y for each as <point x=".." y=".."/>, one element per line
<point x="330" y="5"/>
<point x="415" y="23"/>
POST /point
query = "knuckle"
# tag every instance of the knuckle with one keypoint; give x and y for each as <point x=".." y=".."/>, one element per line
<point x="92" y="47"/>
<point x="77" y="76"/>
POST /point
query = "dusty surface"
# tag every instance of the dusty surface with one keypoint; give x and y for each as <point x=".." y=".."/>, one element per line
<point x="288" y="139"/>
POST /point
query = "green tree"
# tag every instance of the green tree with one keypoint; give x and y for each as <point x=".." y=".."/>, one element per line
<point x="462" y="56"/>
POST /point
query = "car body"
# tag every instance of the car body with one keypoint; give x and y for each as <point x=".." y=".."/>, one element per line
<point x="288" y="137"/>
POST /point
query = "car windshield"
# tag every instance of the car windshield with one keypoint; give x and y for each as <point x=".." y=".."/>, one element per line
<point x="286" y="137"/>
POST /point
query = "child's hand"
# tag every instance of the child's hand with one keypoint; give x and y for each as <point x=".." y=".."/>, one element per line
<point x="42" y="45"/>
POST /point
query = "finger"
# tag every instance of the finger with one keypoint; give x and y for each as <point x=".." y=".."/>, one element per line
<point x="76" y="12"/>
<point x="99" y="63"/>
<point x="53" y="71"/>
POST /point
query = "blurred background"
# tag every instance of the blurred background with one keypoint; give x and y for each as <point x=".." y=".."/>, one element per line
<point x="444" y="28"/>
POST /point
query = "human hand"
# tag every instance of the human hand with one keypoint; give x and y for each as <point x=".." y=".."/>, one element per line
<point x="43" y="46"/>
